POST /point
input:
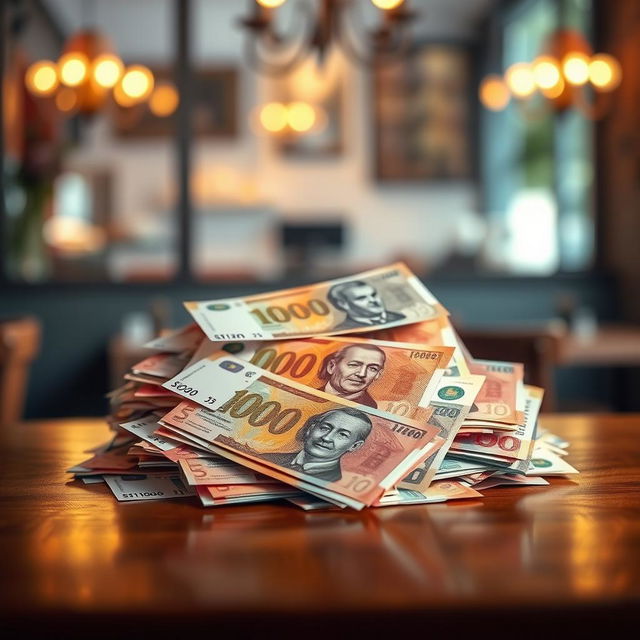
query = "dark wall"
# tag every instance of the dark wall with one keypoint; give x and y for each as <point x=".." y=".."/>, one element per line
<point x="70" y="376"/>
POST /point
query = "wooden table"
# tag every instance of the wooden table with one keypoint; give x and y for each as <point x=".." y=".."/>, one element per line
<point x="521" y="562"/>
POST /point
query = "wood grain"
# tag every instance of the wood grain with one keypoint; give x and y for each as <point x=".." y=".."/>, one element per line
<point x="77" y="562"/>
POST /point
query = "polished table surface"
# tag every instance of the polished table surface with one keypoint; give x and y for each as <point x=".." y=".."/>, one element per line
<point x="77" y="562"/>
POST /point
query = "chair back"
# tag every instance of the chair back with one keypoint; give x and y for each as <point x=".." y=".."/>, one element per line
<point x="19" y="344"/>
<point x="537" y="349"/>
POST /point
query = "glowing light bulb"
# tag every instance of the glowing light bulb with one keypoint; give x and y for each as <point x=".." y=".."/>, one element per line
<point x="575" y="67"/>
<point x="271" y="4"/>
<point x="107" y="70"/>
<point x="137" y="82"/>
<point x="74" y="67"/>
<point x="546" y="72"/>
<point x="301" y="116"/>
<point x="520" y="80"/>
<point x="42" y="78"/>
<point x="494" y="93"/>
<point x="387" y="5"/>
<point x="605" y="72"/>
<point x="66" y="100"/>
<point x="164" y="100"/>
<point x="273" y="117"/>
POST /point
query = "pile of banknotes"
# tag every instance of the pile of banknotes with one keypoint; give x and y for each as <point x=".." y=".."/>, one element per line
<point x="356" y="392"/>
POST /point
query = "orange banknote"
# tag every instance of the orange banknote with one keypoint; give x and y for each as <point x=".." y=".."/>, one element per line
<point x="428" y="333"/>
<point x="299" y="435"/>
<point x="498" y="397"/>
<point x="392" y="376"/>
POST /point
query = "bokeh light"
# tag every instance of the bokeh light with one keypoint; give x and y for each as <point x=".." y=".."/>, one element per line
<point x="164" y="100"/>
<point x="137" y="82"/>
<point x="271" y="4"/>
<point x="73" y="67"/>
<point x="42" y="78"/>
<point x="273" y="117"/>
<point x="575" y="67"/>
<point x="387" y="4"/>
<point x="605" y="72"/>
<point x="107" y="70"/>
<point x="122" y="98"/>
<point x="546" y="72"/>
<point x="301" y="116"/>
<point x="520" y="80"/>
<point x="494" y="93"/>
<point x="555" y="91"/>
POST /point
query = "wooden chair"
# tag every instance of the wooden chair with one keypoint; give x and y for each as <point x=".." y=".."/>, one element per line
<point x="537" y="349"/>
<point x="19" y="344"/>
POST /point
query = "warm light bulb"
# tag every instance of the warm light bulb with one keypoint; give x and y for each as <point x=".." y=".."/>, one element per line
<point x="520" y="80"/>
<point x="546" y="72"/>
<point x="271" y="4"/>
<point x="273" y="117"/>
<point x="137" y="82"/>
<point x="66" y="100"/>
<point x="301" y="116"/>
<point x="164" y="100"/>
<point x="107" y="70"/>
<point x="387" y="5"/>
<point x="494" y="94"/>
<point x="73" y="68"/>
<point x="575" y="67"/>
<point x="42" y="78"/>
<point x="605" y="72"/>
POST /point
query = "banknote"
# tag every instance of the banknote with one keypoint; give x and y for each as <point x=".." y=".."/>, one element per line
<point x="428" y="333"/>
<point x="141" y="486"/>
<point x="185" y="339"/>
<point x="117" y="460"/>
<point x="395" y="377"/>
<point x="451" y="404"/>
<point x="503" y="480"/>
<point x="161" y="365"/>
<point x="508" y="445"/>
<point x="453" y="468"/>
<point x="527" y="432"/>
<point x="145" y="429"/>
<point x="389" y="296"/>
<point x="326" y="441"/>
<point x="203" y="471"/>
<point x="497" y="400"/>
<point x="546" y="463"/>
<point x="211" y="497"/>
<point x="246" y="490"/>
<point x="439" y="491"/>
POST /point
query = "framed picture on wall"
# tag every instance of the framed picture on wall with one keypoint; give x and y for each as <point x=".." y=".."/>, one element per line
<point x="215" y="106"/>
<point x="422" y="115"/>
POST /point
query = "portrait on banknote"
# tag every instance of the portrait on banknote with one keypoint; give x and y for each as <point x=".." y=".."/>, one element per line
<point x="326" y="437"/>
<point x="349" y="371"/>
<point x="362" y="305"/>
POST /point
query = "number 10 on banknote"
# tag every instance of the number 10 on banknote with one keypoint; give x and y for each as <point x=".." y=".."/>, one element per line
<point x="386" y="297"/>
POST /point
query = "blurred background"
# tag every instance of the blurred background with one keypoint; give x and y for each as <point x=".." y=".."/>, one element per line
<point x="155" y="151"/>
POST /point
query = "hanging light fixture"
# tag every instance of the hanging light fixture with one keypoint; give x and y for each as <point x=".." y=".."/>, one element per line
<point x="272" y="52"/>
<point x="567" y="74"/>
<point x="87" y="72"/>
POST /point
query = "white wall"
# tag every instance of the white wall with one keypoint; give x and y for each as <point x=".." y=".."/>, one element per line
<point x="386" y="221"/>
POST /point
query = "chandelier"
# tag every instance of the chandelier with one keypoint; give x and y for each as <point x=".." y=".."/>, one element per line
<point x="567" y="74"/>
<point x="274" y="52"/>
